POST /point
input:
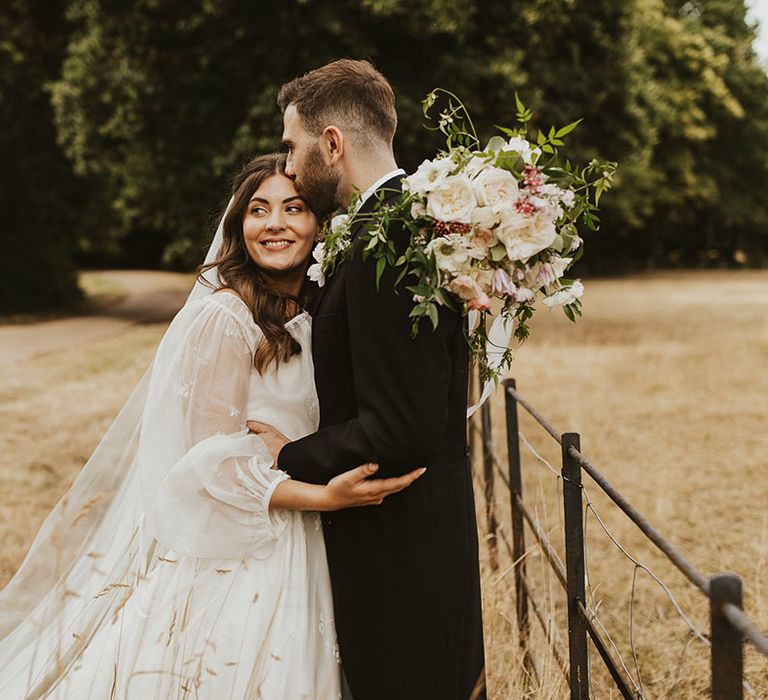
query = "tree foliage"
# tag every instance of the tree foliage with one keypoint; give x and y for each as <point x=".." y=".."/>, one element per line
<point x="157" y="102"/>
<point x="38" y="197"/>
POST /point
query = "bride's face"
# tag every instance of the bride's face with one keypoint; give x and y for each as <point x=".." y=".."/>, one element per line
<point x="279" y="228"/>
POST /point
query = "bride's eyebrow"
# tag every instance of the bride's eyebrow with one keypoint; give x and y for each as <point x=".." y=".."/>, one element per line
<point x="261" y="200"/>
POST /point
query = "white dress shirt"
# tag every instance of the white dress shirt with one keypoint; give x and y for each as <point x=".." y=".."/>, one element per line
<point x="375" y="186"/>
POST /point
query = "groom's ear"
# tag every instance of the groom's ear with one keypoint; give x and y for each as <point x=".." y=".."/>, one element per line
<point x="333" y="144"/>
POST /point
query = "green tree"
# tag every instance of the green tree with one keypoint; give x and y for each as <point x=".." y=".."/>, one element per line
<point x="735" y="220"/>
<point x="157" y="102"/>
<point x="162" y="100"/>
<point x="39" y="197"/>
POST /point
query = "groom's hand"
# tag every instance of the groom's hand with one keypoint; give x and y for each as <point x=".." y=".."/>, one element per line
<point x="272" y="437"/>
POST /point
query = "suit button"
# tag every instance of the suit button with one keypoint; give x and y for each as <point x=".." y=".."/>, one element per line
<point x="466" y="451"/>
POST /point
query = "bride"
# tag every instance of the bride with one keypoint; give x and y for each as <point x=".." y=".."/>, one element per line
<point x="181" y="563"/>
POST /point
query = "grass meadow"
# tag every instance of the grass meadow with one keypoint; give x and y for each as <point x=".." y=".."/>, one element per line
<point x="664" y="378"/>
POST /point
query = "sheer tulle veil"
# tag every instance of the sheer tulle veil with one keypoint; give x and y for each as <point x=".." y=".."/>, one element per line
<point x="92" y="535"/>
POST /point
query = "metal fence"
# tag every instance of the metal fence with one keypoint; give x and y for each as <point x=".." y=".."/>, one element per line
<point x="729" y="626"/>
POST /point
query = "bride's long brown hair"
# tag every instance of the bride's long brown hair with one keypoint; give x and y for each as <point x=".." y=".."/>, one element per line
<point x="237" y="271"/>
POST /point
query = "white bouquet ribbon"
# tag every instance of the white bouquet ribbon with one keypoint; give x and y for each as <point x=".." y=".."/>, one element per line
<point x="499" y="336"/>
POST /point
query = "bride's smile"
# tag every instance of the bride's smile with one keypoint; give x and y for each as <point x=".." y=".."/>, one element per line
<point x="279" y="229"/>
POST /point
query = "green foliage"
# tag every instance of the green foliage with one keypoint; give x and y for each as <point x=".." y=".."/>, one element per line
<point x="39" y="196"/>
<point x="157" y="102"/>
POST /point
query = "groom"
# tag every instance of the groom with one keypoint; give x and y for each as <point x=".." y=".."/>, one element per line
<point x="405" y="574"/>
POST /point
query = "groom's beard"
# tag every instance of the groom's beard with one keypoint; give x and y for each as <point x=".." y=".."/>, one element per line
<point x="318" y="184"/>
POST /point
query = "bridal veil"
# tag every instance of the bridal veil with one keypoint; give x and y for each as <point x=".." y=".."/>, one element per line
<point x="97" y="534"/>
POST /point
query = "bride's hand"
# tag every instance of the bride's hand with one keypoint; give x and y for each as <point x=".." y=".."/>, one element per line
<point x="354" y="488"/>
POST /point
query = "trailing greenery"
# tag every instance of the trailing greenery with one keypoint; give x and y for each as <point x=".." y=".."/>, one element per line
<point x="156" y="103"/>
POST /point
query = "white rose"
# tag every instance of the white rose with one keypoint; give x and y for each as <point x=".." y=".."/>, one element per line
<point x="452" y="200"/>
<point x="564" y="296"/>
<point x="524" y="236"/>
<point x="495" y="185"/>
<point x="452" y="252"/>
<point x="428" y="175"/>
<point x="485" y="217"/>
<point x="506" y="214"/>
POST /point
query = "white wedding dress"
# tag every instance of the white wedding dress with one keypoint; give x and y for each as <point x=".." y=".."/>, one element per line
<point x="187" y="585"/>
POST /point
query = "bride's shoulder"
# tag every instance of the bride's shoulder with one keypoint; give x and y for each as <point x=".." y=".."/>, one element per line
<point x="228" y="298"/>
<point x="229" y="302"/>
<point x="224" y="293"/>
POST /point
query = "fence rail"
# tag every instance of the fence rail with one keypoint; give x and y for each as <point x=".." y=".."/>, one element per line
<point x="729" y="625"/>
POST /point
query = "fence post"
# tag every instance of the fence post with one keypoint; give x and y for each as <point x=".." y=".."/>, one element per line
<point x="490" y="497"/>
<point x="518" y="531"/>
<point x="574" y="564"/>
<point x="727" y="642"/>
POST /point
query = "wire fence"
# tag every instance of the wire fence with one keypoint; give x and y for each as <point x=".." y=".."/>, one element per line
<point x="729" y="626"/>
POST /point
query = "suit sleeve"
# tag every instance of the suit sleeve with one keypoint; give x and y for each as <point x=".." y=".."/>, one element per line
<point x="401" y="385"/>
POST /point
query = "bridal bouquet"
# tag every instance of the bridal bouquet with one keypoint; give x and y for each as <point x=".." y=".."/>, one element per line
<point x="492" y="230"/>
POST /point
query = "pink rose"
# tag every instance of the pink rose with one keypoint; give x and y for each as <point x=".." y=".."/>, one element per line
<point x="482" y="303"/>
<point x="469" y="290"/>
<point x="483" y="239"/>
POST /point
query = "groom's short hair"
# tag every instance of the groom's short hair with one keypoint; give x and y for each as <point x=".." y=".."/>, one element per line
<point x="347" y="94"/>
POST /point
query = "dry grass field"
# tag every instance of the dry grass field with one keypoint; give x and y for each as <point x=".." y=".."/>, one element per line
<point x="664" y="378"/>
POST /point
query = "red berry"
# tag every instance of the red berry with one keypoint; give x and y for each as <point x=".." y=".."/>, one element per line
<point x="443" y="228"/>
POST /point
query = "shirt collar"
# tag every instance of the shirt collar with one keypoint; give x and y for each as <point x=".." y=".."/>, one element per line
<point x="375" y="186"/>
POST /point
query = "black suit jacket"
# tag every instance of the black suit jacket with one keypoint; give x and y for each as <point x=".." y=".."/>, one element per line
<point x="405" y="573"/>
<point x="384" y="396"/>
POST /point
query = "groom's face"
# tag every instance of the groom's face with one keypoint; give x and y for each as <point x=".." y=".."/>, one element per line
<point x="316" y="181"/>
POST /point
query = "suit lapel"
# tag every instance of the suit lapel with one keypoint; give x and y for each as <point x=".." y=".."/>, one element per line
<point x="392" y="188"/>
